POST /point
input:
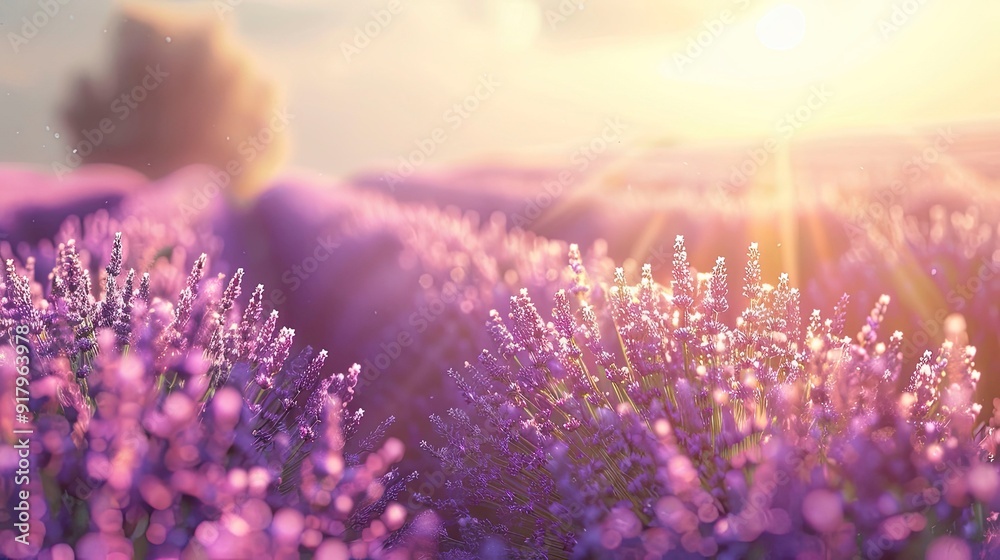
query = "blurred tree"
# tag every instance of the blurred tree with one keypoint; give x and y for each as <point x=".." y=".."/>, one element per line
<point x="181" y="91"/>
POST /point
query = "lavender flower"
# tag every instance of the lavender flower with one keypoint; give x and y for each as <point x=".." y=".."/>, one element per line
<point x="941" y="267"/>
<point x="695" y="437"/>
<point x="162" y="430"/>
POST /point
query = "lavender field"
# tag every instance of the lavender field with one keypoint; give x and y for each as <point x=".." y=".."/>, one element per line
<point x="513" y="318"/>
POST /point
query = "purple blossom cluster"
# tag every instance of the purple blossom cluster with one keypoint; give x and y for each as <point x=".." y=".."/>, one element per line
<point x="168" y="422"/>
<point x="942" y="268"/>
<point x="413" y="284"/>
<point x="647" y="421"/>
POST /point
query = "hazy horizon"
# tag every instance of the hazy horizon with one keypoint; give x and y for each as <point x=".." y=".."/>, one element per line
<point x="559" y="72"/>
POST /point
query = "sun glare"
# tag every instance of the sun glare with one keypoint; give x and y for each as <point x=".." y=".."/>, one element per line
<point x="782" y="28"/>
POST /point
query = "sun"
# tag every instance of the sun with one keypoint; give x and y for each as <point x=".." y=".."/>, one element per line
<point x="782" y="28"/>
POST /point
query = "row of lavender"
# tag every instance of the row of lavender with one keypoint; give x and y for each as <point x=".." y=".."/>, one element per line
<point x="638" y="420"/>
<point x="166" y="420"/>
<point x="635" y="420"/>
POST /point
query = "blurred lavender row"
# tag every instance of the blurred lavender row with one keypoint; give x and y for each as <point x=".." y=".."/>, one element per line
<point x="169" y="423"/>
<point x="636" y="423"/>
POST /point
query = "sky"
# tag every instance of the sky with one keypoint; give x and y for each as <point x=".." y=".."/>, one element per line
<point x="369" y="81"/>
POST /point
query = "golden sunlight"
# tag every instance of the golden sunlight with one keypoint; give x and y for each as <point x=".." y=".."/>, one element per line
<point x="782" y="28"/>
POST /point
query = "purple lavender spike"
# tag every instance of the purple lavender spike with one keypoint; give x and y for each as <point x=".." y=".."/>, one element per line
<point x="502" y="337"/>
<point x="114" y="267"/>
<point x="144" y="288"/>
<point x="346" y="388"/>
<point x="274" y="359"/>
<point x="263" y="338"/>
<point x="682" y="286"/>
<point x="128" y="292"/>
<point x="529" y="330"/>
<point x="840" y="316"/>
<point x="752" y="288"/>
<point x="310" y="376"/>
<point x="251" y="315"/>
<point x="19" y="296"/>
<point x="231" y="293"/>
<point x="562" y="315"/>
<point x="869" y="333"/>
<point x="717" y="301"/>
